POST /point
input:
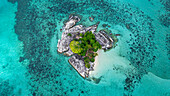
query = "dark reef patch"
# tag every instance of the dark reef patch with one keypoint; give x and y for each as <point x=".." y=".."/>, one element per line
<point x="168" y="45"/>
<point x="5" y="88"/>
<point x="12" y="1"/>
<point x="165" y="18"/>
<point x="166" y="4"/>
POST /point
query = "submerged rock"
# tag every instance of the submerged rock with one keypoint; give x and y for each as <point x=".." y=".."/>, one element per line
<point x="91" y="19"/>
<point x="104" y="25"/>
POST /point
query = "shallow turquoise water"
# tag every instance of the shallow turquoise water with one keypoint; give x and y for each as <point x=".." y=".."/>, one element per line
<point x="31" y="66"/>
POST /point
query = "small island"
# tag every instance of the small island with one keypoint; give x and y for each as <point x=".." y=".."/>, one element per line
<point x="82" y="44"/>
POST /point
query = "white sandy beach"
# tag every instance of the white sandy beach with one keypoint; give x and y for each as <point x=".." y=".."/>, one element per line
<point x="105" y="62"/>
<point x="96" y="62"/>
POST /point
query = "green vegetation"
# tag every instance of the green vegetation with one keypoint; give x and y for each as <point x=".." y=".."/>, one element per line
<point x="81" y="34"/>
<point x="92" y="60"/>
<point x="86" y="46"/>
<point x="87" y="65"/>
<point x="75" y="47"/>
<point x="69" y="34"/>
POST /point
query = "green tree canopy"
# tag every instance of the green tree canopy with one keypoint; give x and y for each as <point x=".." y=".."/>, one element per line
<point x="75" y="47"/>
<point x="87" y="43"/>
<point x="92" y="59"/>
<point x="69" y="34"/>
<point x="81" y="34"/>
<point x="87" y="65"/>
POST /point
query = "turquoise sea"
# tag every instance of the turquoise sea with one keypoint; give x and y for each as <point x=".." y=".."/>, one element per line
<point x="138" y="66"/>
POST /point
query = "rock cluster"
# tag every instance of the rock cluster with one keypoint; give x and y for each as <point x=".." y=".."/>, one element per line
<point x="71" y="32"/>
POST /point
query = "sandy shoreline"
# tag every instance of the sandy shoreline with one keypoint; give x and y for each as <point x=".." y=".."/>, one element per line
<point x="96" y="63"/>
<point x="96" y="60"/>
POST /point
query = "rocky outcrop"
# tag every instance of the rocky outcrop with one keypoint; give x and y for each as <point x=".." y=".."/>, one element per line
<point x="104" y="40"/>
<point x="72" y="31"/>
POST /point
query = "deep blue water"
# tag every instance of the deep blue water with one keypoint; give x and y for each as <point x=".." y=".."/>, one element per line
<point x="31" y="66"/>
